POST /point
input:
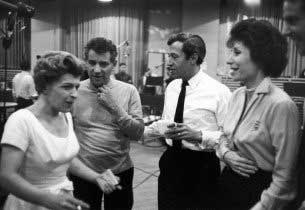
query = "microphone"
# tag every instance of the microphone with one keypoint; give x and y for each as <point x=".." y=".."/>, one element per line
<point x="10" y="23"/>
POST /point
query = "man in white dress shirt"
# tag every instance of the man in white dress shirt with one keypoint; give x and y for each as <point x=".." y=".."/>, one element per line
<point x="197" y="103"/>
<point x="24" y="87"/>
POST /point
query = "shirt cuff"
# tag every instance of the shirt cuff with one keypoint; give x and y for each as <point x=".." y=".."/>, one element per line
<point x="258" y="206"/>
<point x="272" y="203"/>
<point x="209" y="139"/>
<point x="122" y="118"/>
<point x="221" y="151"/>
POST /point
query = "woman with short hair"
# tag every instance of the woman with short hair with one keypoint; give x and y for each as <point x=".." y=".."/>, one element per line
<point x="261" y="129"/>
<point x="39" y="143"/>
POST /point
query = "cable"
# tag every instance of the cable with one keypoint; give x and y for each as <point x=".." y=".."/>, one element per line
<point x="147" y="178"/>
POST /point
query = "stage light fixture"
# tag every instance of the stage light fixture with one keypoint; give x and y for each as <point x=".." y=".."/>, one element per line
<point x="104" y="1"/>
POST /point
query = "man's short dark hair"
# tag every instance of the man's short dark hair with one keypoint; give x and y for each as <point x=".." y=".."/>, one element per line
<point x="101" y="45"/>
<point x="192" y="44"/>
<point x="268" y="47"/>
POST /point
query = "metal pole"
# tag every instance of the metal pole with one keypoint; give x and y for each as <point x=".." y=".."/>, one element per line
<point x="5" y="83"/>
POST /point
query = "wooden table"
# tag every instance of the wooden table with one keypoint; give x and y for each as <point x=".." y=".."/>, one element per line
<point x="8" y="104"/>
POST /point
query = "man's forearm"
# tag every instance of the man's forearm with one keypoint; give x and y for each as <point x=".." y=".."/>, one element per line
<point x="118" y="112"/>
<point x="79" y="169"/>
<point x="131" y="126"/>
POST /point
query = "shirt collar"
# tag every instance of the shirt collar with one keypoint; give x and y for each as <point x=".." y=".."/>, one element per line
<point x="263" y="87"/>
<point x="195" y="80"/>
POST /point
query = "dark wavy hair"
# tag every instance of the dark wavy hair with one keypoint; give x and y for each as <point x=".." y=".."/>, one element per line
<point x="52" y="65"/>
<point x="102" y="45"/>
<point x="191" y="44"/>
<point x="268" y="47"/>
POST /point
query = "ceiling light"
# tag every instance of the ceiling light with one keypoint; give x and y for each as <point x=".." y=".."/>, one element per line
<point x="252" y="2"/>
<point x="104" y="1"/>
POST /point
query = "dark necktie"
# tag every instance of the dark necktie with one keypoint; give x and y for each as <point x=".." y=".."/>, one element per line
<point x="179" y="111"/>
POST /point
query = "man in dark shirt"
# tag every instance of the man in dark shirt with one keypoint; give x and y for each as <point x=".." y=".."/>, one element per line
<point x="122" y="75"/>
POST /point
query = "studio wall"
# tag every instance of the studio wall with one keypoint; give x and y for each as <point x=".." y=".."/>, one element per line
<point x="202" y="17"/>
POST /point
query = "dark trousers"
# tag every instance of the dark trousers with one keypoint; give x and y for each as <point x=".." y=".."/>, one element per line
<point x="241" y="193"/>
<point x="92" y="194"/>
<point x="23" y="103"/>
<point x="188" y="180"/>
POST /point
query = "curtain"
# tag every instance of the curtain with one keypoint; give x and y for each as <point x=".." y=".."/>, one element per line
<point x="20" y="47"/>
<point x="119" y="21"/>
<point x="232" y="11"/>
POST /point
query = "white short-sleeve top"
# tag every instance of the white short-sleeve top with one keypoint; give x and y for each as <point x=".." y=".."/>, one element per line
<point x="47" y="157"/>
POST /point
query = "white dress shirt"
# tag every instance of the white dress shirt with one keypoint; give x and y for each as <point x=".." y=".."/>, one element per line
<point x="23" y="85"/>
<point x="205" y="108"/>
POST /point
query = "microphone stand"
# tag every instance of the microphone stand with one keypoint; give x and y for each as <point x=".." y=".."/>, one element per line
<point x="6" y="43"/>
<point x="19" y="10"/>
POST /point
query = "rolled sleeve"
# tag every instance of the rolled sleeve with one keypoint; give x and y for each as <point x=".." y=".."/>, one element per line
<point x="151" y="132"/>
<point x="131" y="122"/>
<point x="222" y="108"/>
<point x="210" y="139"/>
<point x="284" y="132"/>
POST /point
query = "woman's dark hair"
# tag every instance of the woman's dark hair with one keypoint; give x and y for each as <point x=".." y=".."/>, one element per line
<point x="101" y="45"/>
<point x="191" y="44"/>
<point x="52" y="65"/>
<point x="268" y="47"/>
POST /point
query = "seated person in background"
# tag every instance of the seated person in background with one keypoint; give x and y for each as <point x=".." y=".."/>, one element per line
<point x="23" y="86"/>
<point x="39" y="143"/>
<point x="147" y="88"/>
<point x="122" y="74"/>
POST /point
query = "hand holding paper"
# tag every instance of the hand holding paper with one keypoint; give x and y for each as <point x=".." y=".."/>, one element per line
<point x="108" y="182"/>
